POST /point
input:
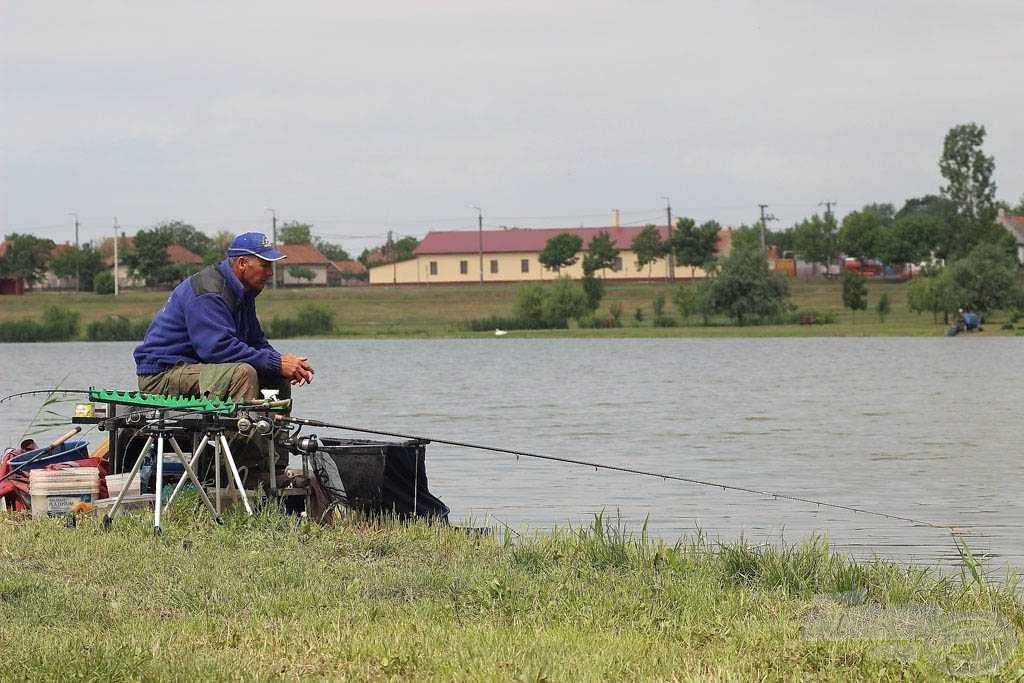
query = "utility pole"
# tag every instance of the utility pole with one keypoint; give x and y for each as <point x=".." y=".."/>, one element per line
<point x="273" y="227"/>
<point x="831" y="222"/>
<point x="480" y="241"/>
<point x="78" y="271"/>
<point x="116" y="239"/>
<point x="670" y="258"/>
<point x="390" y="246"/>
<point x="764" y="217"/>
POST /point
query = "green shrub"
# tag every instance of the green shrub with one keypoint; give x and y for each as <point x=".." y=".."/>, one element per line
<point x="806" y="316"/>
<point x="103" y="282"/>
<point x="553" y="303"/>
<point x="599" y="322"/>
<point x="56" y="323"/>
<point x="615" y="311"/>
<point x="116" y="328"/>
<point x="593" y="289"/>
<point x="658" y="306"/>
<point x="310" y="320"/>
<point x="529" y="303"/>
<point x="663" y="321"/>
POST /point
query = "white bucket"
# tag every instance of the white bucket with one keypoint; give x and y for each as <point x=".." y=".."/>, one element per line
<point x="53" y="492"/>
<point x="116" y="482"/>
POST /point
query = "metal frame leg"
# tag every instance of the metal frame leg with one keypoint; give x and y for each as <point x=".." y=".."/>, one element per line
<point x="234" y="473"/>
<point x="159" y="483"/>
<point x="198" y="451"/>
<point x="107" y="518"/>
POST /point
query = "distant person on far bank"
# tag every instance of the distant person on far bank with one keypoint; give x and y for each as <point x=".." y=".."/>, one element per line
<point x="207" y="341"/>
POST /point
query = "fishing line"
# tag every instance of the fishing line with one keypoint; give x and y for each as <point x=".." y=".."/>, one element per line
<point x="629" y="470"/>
<point x="573" y="461"/>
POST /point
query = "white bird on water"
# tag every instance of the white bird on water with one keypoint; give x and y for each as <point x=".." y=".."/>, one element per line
<point x="500" y="333"/>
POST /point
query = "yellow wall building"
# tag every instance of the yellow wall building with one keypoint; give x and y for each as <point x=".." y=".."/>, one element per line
<point x="511" y="255"/>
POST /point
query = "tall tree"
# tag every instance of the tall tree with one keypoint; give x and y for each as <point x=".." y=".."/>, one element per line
<point x="815" y="240"/>
<point x="694" y="245"/>
<point x="295" y="232"/>
<point x="855" y="291"/>
<point x="910" y="239"/>
<point x="969" y="186"/>
<point x="885" y="213"/>
<point x="648" y="247"/>
<point x="601" y="253"/>
<point x="986" y="278"/>
<point x="26" y="256"/>
<point x="186" y="235"/>
<point x="83" y="263"/>
<point x="860" y="235"/>
<point x="747" y="236"/>
<point x="560" y="251"/>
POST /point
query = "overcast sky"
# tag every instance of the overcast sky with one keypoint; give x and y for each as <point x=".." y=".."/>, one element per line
<point x="359" y="117"/>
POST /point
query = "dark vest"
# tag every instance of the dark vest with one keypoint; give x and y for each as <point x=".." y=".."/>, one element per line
<point x="210" y="281"/>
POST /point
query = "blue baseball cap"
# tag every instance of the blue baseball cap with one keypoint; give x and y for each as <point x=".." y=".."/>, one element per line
<point x="254" y="244"/>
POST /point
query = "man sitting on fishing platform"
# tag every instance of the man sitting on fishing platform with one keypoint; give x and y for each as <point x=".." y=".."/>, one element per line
<point x="207" y="340"/>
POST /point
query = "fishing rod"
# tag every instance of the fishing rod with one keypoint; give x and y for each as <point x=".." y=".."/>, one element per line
<point x="629" y="470"/>
<point x="44" y="391"/>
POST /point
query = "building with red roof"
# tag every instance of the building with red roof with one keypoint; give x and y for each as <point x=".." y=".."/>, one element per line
<point x="305" y="265"/>
<point x="512" y="255"/>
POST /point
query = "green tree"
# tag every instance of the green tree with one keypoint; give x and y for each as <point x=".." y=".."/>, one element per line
<point x="103" y="282"/>
<point x="333" y="252"/>
<point x="855" y="291"/>
<point x="694" y="245"/>
<point x="601" y="253"/>
<point x="26" y="256"/>
<point x="593" y="288"/>
<point x="815" y="240"/>
<point x="1019" y="209"/>
<point x="910" y="239"/>
<point x="860" y="235"/>
<point x="84" y="263"/>
<point x="403" y="249"/>
<point x="685" y="298"/>
<point x="985" y="279"/>
<point x="295" y="232"/>
<point x="884" y="307"/>
<point x="648" y="247"/>
<point x="560" y="251"/>
<point x="745" y="289"/>
<point x="148" y="258"/>
<point x="969" y="186"/>
<point x="563" y="300"/>
<point x="747" y="237"/>
<point x="932" y="294"/>
<point x="885" y="213"/>
<point x="529" y="303"/>
<point x="218" y="248"/>
<point x="186" y="235"/>
<point x="301" y="273"/>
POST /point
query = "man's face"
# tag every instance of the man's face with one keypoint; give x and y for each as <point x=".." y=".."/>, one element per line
<point x="253" y="272"/>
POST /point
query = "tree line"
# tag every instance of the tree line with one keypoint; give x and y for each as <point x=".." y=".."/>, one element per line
<point x="29" y="257"/>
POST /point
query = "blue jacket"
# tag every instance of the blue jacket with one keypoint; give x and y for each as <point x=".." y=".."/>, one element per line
<point x="209" y="318"/>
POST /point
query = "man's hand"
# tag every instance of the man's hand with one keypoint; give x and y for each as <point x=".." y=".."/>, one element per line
<point x="296" y="369"/>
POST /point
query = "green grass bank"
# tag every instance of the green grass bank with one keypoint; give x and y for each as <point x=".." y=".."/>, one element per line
<point x="272" y="598"/>
<point x="442" y="311"/>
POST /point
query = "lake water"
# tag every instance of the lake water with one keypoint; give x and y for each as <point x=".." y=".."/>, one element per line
<point x="923" y="428"/>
